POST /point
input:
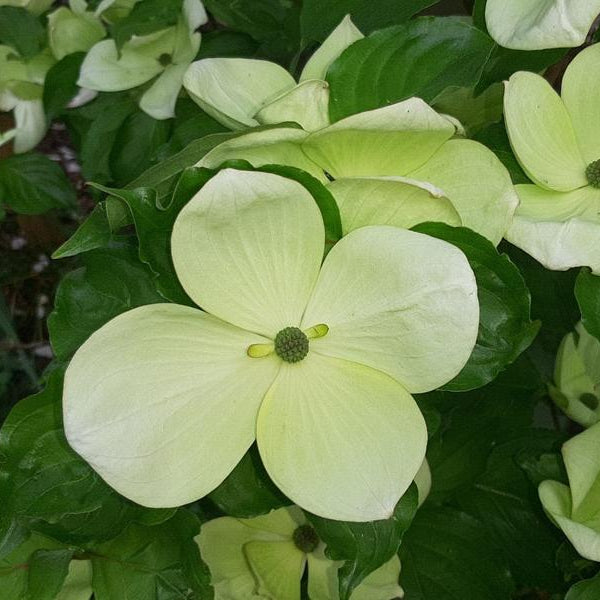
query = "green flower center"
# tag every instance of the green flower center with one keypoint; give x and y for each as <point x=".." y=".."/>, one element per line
<point x="291" y="344"/>
<point x="165" y="60"/>
<point x="305" y="538"/>
<point x="589" y="400"/>
<point x="593" y="173"/>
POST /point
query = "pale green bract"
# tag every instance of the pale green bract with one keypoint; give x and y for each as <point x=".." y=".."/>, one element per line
<point x="257" y="559"/>
<point x="577" y="377"/>
<point x="539" y="24"/>
<point x="243" y="92"/>
<point x="21" y="91"/>
<point x="575" y="508"/>
<point x="164" y="55"/>
<point x="164" y="400"/>
<point x="555" y="140"/>
<point x="73" y="29"/>
<point x="398" y="165"/>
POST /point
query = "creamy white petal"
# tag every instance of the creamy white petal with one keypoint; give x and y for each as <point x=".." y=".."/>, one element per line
<point x="342" y="440"/>
<point x="398" y="301"/>
<point x="247" y="248"/>
<point x="162" y="402"/>
<point x="393" y="140"/>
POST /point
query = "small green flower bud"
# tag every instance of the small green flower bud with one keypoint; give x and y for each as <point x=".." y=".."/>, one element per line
<point x="305" y="538"/>
<point x="291" y="344"/>
<point x="593" y="173"/>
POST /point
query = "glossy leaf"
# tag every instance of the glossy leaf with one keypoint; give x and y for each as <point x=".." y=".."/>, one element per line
<point x="111" y="281"/>
<point x="33" y="184"/>
<point x="365" y="546"/>
<point x="436" y="53"/>
<point x="587" y="292"/>
<point x="505" y="326"/>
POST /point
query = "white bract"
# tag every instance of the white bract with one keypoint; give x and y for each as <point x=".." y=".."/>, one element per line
<point x="164" y="55"/>
<point x="575" y="508"/>
<point x="243" y="92"/>
<point x="539" y="24"/>
<point x="316" y="362"/>
<point x="398" y="165"/>
<point x="577" y="377"/>
<point x="264" y="558"/>
<point x="21" y="91"/>
<point x="557" y="142"/>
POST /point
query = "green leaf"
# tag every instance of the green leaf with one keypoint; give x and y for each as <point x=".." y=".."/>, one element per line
<point x="111" y="281"/>
<point x="275" y="24"/>
<point x="14" y="568"/>
<point x="135" y="146"/>
<point x="505" y="326"/>
<point x="447" y="554"/>
<point x="419" y="58"/>
<point x="60" y="85"/>
<point x="247" y="491"/>
<point x="506" y="502"/>
<point x="152" y="563"/>
<point x="47" y="573"/>
<point x="94" y="232"/>
<point x="226" y="44"/>
<point x="33" y="184"/>
<point x="145" y="18"/>
<point x="365" y="546"/>
<point x="45" y="486"/>
<point x="21" y="30"/>
<point x="320" y="17"/>
<point x="154" y="225"/>
<point x="585" y="590"/>
<point x="587" y="292"/>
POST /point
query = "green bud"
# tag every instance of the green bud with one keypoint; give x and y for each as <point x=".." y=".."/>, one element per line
<point x="291" y="344"/>
<point x="593" y="173"/>
<point x="305" y="538"/>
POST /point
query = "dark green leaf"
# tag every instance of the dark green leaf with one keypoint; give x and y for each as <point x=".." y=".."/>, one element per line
<point x="154" y="225"/>
<point x="157" y="563"/>
<point x="496" y="139"/>
<point x="47" y="572"/>
<point x="46" y="486"/>
<point x="506" y="502"/>
<point x="448" y="555"/>
<point x="587" y="292"/>
<point x="365" y="546"/>
<point x="111" y="281"/>
<point x="585" y="590"/>
<point x="32" y="184"/>
<point x="145" y="18"/>
<point x="226" y="44"/>
<point x="505" y="326"/>
<point x="419" y="58"/>
<point x="320" y="17"/>
<point x="248" y="491"/>
<point x="135" y="146"/>
<point x="552" y="302"/>
<point x="273" y="23"/>
<point x="60" y="85"/>
<point x="21" y="30"/>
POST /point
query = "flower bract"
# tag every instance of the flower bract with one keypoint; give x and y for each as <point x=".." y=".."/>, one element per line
<point x="398" y="165"/>
<point x="243" y="92"/>
<point x="164" y="400"/>
<point x="539" y="24"/>
<point x="577" y="376"/>
<point x="556" y="140"/>
<point x="575" y="508"/>
<point x="260" y="559"/>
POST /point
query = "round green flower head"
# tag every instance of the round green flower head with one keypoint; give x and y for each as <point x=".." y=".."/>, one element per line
<point x="291" y="344"/>
<point x="592" y="173"/>
<point x="305" y="538"/>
